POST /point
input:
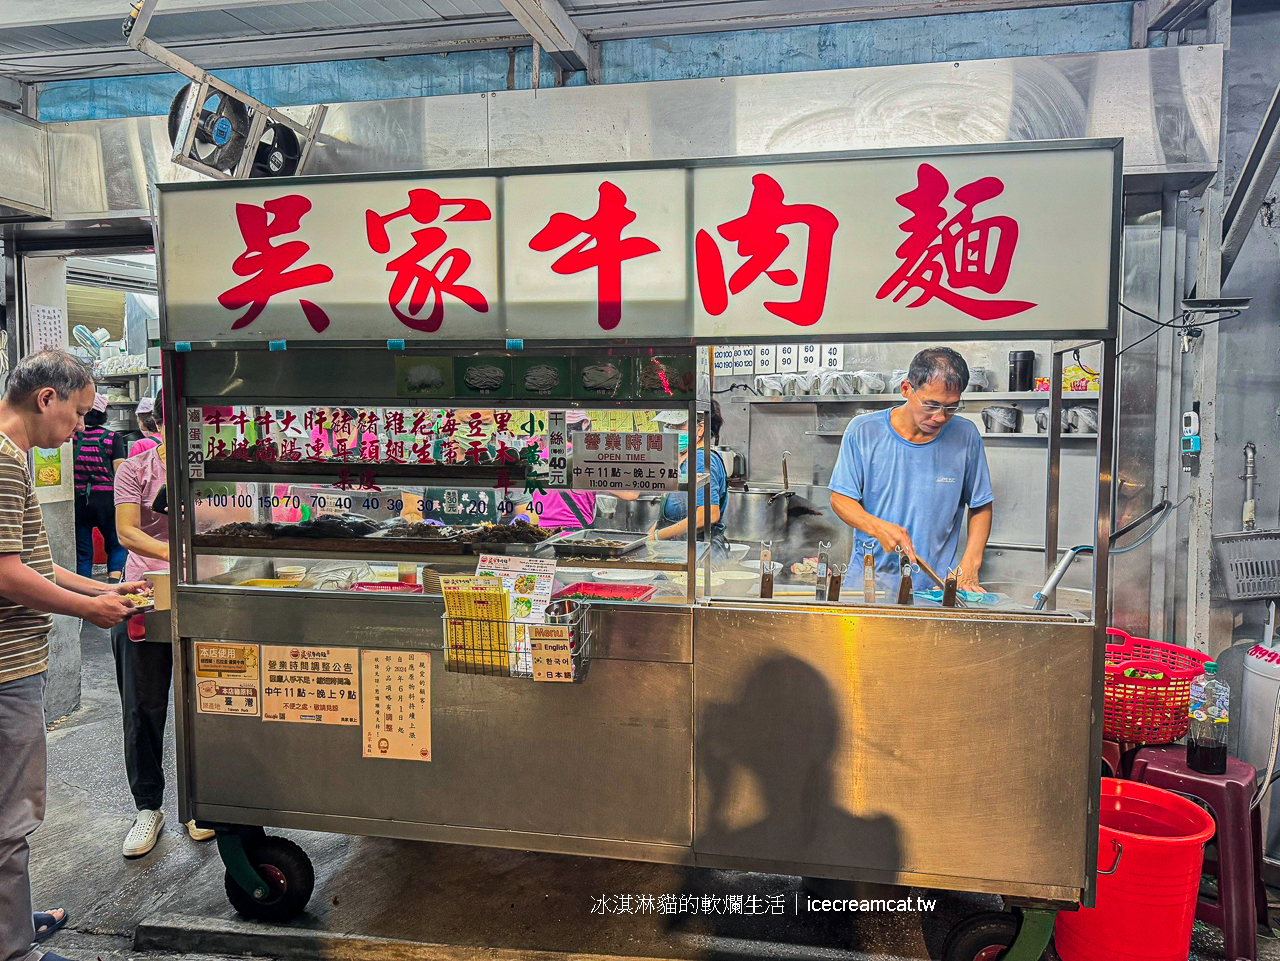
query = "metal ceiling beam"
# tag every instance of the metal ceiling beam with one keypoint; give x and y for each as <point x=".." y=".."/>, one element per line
<point x="554" y="30"/>
<point x="1175" y="14"/>
<point x="1256" y="179"/>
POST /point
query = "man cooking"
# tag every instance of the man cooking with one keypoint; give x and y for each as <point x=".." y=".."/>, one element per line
<point x="904" y="477"/>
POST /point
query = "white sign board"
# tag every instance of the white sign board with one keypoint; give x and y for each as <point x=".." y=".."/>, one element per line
<point x="978" y="242"/>
<point x="627" y="462"/>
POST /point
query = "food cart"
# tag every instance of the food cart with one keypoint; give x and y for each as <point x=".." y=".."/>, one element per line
<point x="337" y="348"/>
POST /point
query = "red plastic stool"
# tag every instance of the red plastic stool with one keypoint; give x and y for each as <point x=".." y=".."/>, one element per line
<point x="1242" y="898"/>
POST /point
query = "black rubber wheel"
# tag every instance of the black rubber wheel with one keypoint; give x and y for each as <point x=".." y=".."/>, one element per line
<point x="287" y="869"/>
<point x="222" y="127"/>
<point x="982" y="937"/>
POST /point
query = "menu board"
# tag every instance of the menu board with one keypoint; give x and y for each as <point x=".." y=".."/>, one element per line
<point x="316" y="685"/>
<point x="396" y="704"/>
<point x="551" y="655"/>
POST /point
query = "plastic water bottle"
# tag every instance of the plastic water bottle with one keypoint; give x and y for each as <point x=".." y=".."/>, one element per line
<point x="1210" y="716"/>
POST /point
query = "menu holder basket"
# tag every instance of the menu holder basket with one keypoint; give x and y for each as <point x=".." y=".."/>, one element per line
<point x="495" y="647"/>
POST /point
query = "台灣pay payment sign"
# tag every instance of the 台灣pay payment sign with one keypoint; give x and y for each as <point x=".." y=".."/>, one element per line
<point x="978" y="242"/>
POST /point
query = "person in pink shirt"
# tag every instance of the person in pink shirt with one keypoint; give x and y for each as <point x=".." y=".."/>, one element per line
<point x="149" y="426"/>
<point x="144" y="672"/>
<point x="573" y="510"/>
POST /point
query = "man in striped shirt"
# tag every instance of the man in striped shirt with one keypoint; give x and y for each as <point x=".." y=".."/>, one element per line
<point x="45" y="401"/>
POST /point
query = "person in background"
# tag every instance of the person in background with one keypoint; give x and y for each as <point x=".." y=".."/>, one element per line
<point x="45" y="401"/>
<point x="149" y="426"/>
<point x="98" y="452"/>
<point x="144" y="672"/>
<point x="673" y="522"/>
<point x="572" y="510"/>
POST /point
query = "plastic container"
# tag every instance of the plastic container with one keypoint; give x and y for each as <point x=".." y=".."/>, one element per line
<point x="1148" y="710"/>
<point x="386" y="587"/>
<point x="1210" y="711"/>
<point x="605" y="592"/>
<point x="1022" y="370"/>
<point x="1150" y="854"/>
<point x="871" y="381"/>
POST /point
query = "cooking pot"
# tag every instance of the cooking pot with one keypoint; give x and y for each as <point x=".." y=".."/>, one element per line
<point x="757" y="513"/>
<point x="639" y="514"/>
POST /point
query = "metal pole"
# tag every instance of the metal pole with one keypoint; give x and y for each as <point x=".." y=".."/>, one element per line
<point x="1205" y="378"/>
<point x="1053" y="473"/>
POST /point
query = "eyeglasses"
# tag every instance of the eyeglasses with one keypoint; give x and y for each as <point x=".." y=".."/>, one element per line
<point x="932" y="408"/>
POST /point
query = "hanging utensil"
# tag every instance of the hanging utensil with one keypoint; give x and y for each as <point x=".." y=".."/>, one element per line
<point x="835" y="579"/>
<point x="766" y="569"/>
<point x="906" y="595"/>
<point x="786" y="484"/>
<point x="824" y="564"/>
<point x="949" y="597"/>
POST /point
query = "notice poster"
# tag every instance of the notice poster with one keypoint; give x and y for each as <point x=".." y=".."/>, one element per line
<point x="316" y="685"/>
<point x="396" y="710"/>
<point x="227" y="679"/>
<point x="550" y="652"/>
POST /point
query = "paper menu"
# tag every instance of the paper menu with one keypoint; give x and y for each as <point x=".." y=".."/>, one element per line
<point x="529" y="581"/>
<point x="479" y="633"/>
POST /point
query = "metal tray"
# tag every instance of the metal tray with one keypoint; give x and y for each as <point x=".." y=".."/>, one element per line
<point x="571" y="544"/>
<point x="506" y="547"/>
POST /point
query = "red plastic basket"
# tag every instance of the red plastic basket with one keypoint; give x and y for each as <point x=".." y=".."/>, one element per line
<point x="386" y="587"/>
<point x="606" y="592"/>
<point x="1148" y="711"/>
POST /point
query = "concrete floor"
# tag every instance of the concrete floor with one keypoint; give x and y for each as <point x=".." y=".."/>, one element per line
<point x="386" y="899"/>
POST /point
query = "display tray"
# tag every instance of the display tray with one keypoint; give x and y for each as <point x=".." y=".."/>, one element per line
<point x="505" y="547"/>
<point x="572" y="544"/>
<point x="321" y="545"/>
<point x="590" y="590"/>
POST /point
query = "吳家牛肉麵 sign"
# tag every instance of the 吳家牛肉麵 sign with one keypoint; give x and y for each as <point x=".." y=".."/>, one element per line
<point x="618" y="461"/>
<point x="943" y="242"/>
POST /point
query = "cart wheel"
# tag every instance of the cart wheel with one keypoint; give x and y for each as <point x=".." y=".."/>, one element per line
<point x="983" y="937"/>
<point x="287" y="869"/>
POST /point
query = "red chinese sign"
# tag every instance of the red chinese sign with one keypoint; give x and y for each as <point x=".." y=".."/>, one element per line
<point x="760" y="240"/>
<point x="268" y="265"/>
<point x="943" y="255"/>
<point x="413" y="279"/>
<point x="601" y="248"/>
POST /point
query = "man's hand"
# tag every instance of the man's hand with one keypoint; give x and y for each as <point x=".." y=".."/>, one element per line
<point x="130" y="587"/>
<point x="108" y="610"/>
<point x="891" y="537"/>
<point x="969" y="582"/>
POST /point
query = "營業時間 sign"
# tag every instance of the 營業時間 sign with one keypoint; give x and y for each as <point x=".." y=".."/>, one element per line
<point x="1015" y="238"/>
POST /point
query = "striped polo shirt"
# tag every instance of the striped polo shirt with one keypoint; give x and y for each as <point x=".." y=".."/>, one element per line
<point x="24" y="633"/>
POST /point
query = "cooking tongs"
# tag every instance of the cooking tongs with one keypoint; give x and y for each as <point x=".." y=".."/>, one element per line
<point x="933" y="576"/>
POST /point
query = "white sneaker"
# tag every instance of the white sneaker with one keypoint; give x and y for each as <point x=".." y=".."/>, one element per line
<point x="200" y="834"/>
<point x="143" y="835"/>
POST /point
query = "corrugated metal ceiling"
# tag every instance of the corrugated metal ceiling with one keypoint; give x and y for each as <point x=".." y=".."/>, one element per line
<point x="278" y="31"/>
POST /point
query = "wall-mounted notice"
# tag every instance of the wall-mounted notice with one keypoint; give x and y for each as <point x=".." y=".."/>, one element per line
<point x="314" y="685"/>
<point x="227" y="680"/>
<point x="396" y="711"/>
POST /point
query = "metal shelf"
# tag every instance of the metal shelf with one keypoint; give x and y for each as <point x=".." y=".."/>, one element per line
<point x="1043" y="437"/>
<point x="969" y="399"/>
<point x="466" y="559"/>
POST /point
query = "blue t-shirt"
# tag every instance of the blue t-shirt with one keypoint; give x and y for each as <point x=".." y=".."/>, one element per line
<point x="922" y="487"/>
<point x="676" y="505"/>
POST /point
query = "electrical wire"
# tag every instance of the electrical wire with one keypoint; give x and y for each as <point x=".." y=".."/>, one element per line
<point x="1183" y="320"/>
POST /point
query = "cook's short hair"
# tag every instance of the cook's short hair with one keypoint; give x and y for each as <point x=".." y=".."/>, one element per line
<point x="938" y="363"/>
<point x="48" y="368"/>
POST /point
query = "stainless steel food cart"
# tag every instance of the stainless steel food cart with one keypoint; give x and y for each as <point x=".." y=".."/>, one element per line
<point x="938" y="747"/>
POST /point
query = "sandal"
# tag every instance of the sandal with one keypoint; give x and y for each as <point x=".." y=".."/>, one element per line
<point x="47" y="925"/>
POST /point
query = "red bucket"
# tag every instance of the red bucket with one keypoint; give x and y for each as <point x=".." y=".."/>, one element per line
<point x="1150" y="852"/>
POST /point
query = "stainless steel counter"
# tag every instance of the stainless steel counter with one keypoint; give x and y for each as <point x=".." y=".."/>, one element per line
<point x="941" y="748"/>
